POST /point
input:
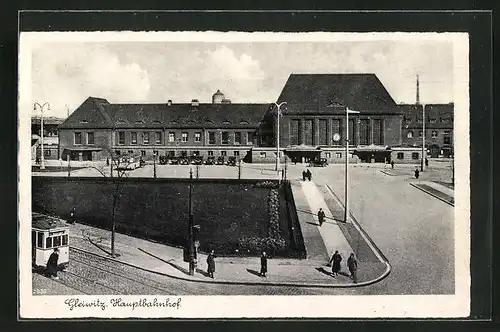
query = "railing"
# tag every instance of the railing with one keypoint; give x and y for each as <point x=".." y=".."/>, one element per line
<point x="296" y="238"/>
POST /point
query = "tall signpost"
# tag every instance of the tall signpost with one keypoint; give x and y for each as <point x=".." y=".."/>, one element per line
<point x="278" y="134"/>
<point x="346" y="185"/>
<point x="423" y="139"/>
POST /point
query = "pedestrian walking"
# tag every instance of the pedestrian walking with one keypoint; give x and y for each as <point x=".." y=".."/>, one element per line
<point x="352" y="265"/>
<point x="304" y="175"/>
<point x="392" y="164"/>
<point x="426" y="162"/>
<point x="52" y="264"/>
<point x="107" y="161"/>
<point x="335" y="261"/>
<point x="321" y="216"/>
<point x="417" y="173"/>
<point x="263" y="264"/>
<point x="308" y="175"/>
<point x="211" y="264"/>
<point x="72" y="218"/>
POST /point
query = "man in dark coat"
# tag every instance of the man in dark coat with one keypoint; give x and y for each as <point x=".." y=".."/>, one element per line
<point x="417" y="173"/>
<point x="335" y="261"/>
<point x="211" y="264"/>
<point x="352" y="265"/>
<point x="72" y="216"/>
<point x="426" y="162"/>
<point x="52" y="264"/>
<point x="321" y="216"/>
<point x="263" y="264"/>
<point x="304" y="174"/>
<point x="309" y="175"/>
<point x="392" y="164"/>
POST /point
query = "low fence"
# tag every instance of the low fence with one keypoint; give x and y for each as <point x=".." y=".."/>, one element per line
<point x="295" y="232"/>
<point x="226" y="209"/>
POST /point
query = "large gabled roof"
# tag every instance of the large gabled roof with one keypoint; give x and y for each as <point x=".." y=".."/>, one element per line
<point x="313" y="93"/>
<point x="99" y="113"/>
<point x="90" y="114"/>
<point x="186" y="115"/>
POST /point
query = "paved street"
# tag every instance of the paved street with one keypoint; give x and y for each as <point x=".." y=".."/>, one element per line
<point x="413" y="229"/>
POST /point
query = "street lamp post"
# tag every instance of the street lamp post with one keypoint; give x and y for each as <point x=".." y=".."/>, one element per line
<point x="423" y="138"/>
<point x="42" y="160"/>
<point x="278" y="135"/>
<point x="346" y="188"/>
<point x="191" y="250"/>
<point x="154" y="165"/>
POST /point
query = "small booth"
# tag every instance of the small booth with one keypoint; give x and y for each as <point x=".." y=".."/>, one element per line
<point x="48" y="233"/>
<point x="303" y="153"/>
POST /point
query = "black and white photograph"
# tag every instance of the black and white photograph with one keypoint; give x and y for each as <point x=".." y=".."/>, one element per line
<point x="232" y="174"/>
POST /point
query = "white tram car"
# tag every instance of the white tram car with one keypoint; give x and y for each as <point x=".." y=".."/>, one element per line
<point x="48" y="233"/>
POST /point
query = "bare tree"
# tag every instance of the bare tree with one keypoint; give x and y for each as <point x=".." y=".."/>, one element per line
<point x="120" y="165"/>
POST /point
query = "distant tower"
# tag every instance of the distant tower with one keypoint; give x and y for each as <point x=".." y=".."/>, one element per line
<point x="217" y="97"/>
<point x="418" y="91"/>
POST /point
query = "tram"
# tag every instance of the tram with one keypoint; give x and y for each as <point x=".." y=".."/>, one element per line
<point x="48" y="233"/>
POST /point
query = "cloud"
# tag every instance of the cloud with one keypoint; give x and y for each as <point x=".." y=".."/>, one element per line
<point x="67" y="75"/>
<point x="228" y="65"/>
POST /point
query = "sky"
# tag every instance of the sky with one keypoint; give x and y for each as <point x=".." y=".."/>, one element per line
<point x="66" y="73"/>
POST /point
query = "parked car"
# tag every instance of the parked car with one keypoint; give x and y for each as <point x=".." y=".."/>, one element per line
<point x="197" y="160"/>
<point x="231" y="161"/>
<point x="184" y="160"/>
<point x="319" y="162"/>
<point x="220" y="160"/>
<point x="210" y="161"/>
<point x="163" y="160"/>
<point x="173" y="161"/>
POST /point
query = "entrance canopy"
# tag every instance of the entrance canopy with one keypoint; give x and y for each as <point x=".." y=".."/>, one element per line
<point x="303" y="148"/>
<point x="372" y="148"/>
<point x="302" y="153"/>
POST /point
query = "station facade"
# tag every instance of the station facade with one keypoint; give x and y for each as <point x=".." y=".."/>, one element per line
<point x="312" y="125"/>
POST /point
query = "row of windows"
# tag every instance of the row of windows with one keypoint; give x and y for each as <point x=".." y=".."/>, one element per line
<point x="184" y="137"/>
<point x="145" y="137"/>
<point x="429" y="119"/>
<point x="309" y="132"/>
<point x="434" y="134"/>
<point x="51" y="241"/>
<point x="79" y="137"/>
<point x="414" y="155"/>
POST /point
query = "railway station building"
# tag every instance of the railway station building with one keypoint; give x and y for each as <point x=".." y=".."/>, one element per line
<point x="312" y="125"/>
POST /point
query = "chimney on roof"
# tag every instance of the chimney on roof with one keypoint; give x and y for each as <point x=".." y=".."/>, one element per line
<point x="169" y="102"/>
<point x="195" y="102"/>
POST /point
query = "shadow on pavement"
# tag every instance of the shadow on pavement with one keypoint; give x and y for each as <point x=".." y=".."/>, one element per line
<point x="255" y="273"/>
<point x="322" y="270"/>
<point x="102" y="248"/>
<point x="177" y="267"/>
<point x="202" y="272"/>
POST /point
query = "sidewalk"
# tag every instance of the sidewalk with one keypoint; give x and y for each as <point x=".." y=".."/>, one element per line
<point x="331" y="234"/>
<point x="436" y="190"/>
<point x="166" y="260"/>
